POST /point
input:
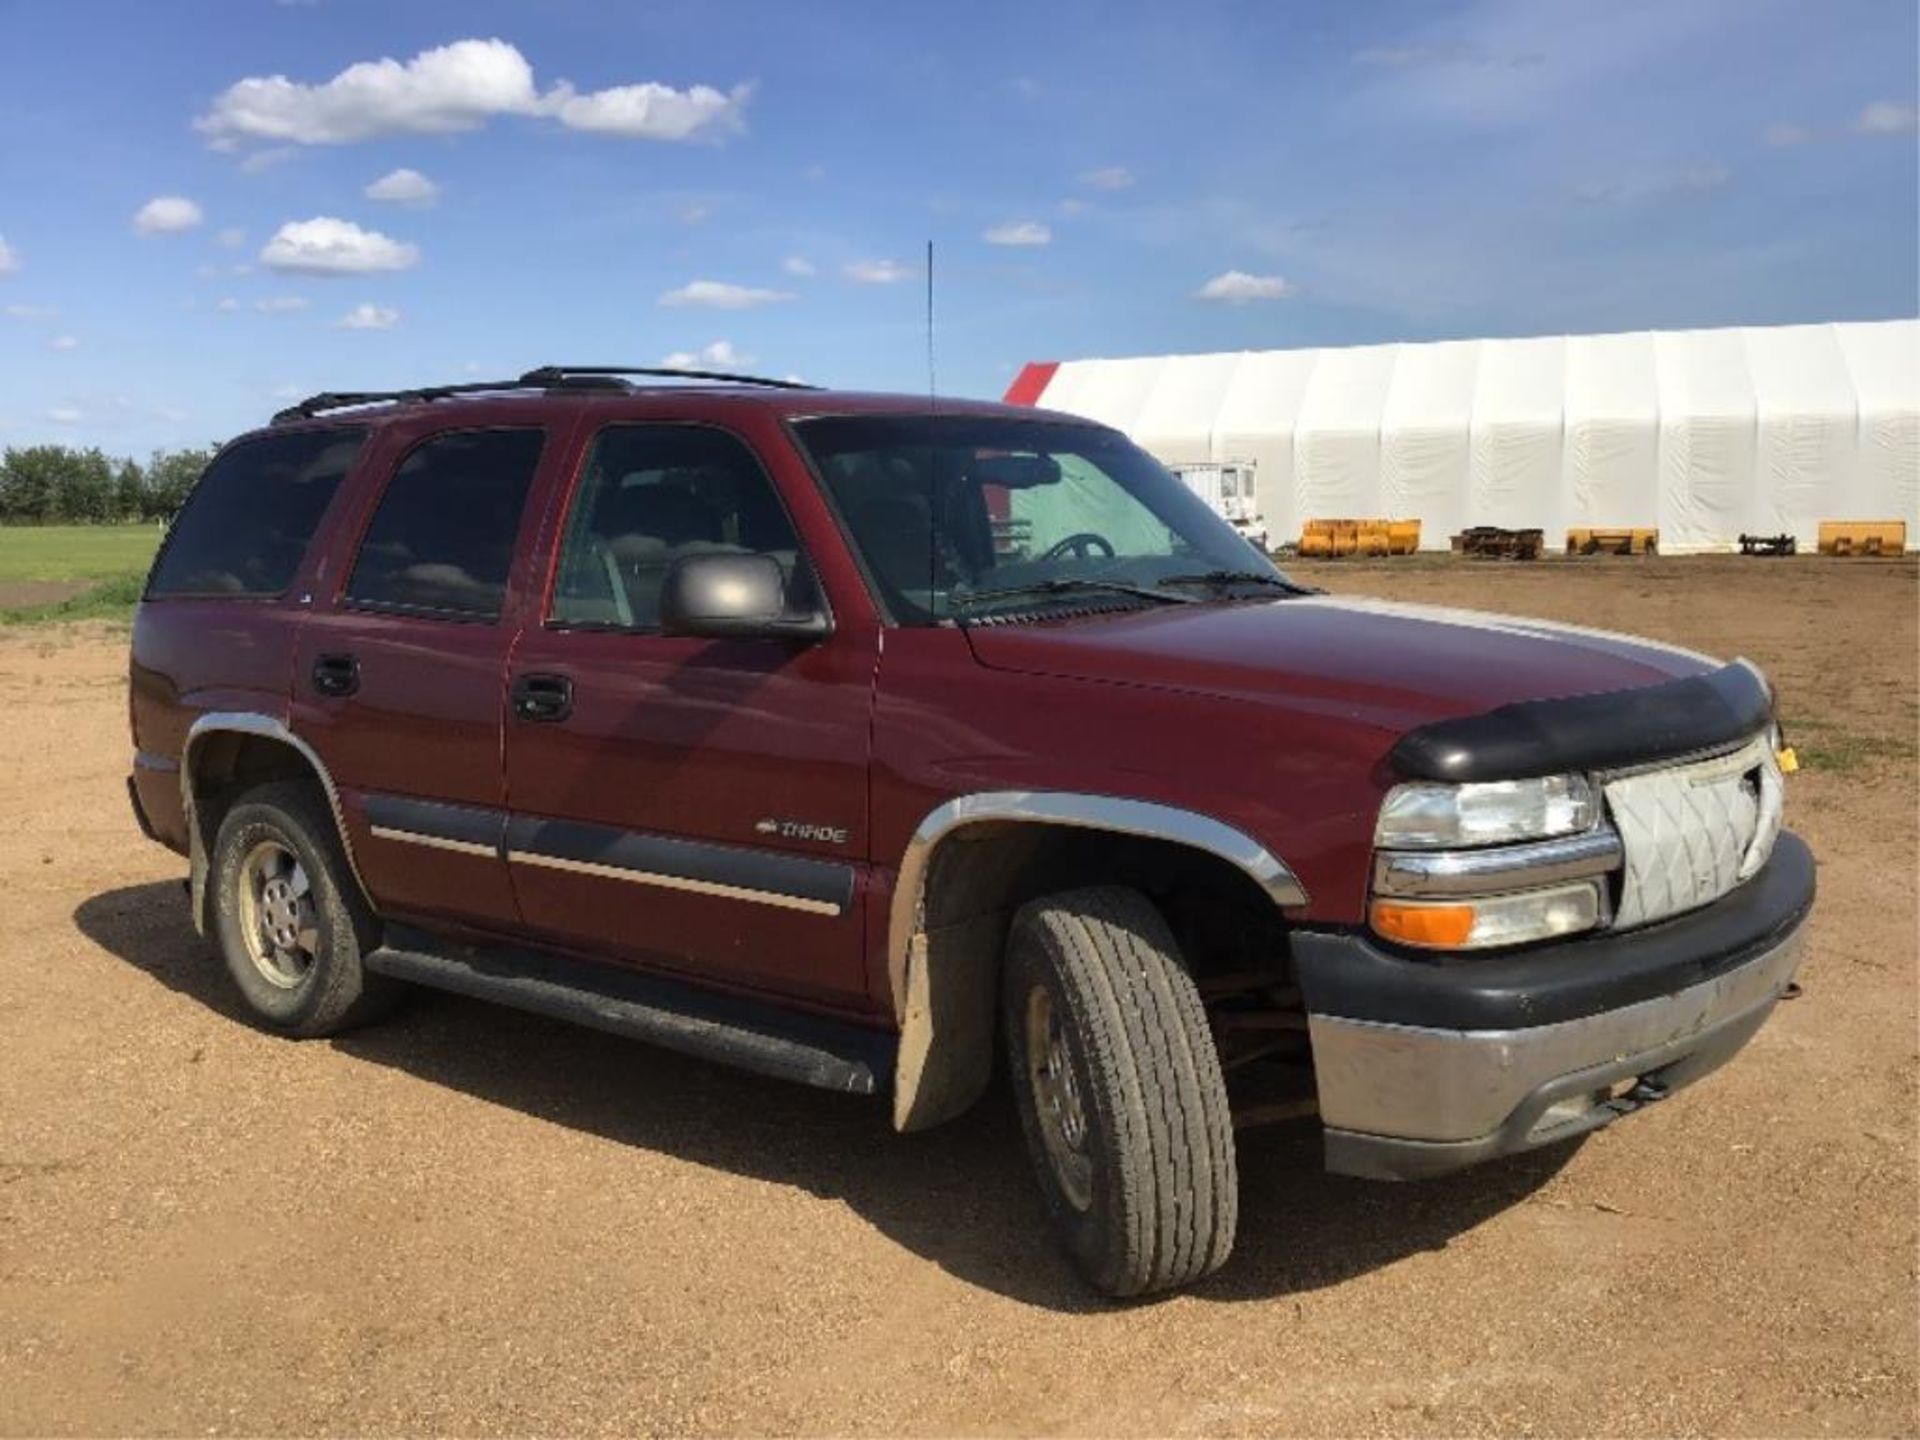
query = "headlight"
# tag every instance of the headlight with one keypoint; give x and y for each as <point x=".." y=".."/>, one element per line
<point x="1423" y="815"/>
<point x="1489" y="920"/>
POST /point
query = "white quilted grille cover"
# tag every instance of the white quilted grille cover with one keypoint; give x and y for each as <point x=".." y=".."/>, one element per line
<point x="1693" y="832"/>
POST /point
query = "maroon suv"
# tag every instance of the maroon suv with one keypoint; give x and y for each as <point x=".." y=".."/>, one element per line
<point x="845" y="737"/>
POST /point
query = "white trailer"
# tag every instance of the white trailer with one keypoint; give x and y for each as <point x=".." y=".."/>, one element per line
<point x="1229" y="489"/>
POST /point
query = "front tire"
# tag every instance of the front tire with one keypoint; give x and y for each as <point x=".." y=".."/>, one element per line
<point x="289" y="918"/>
<point x="1119" y="1091"/>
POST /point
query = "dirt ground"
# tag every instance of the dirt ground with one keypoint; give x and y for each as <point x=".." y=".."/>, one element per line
<point x="479" y="1222"/>
<point x="18" y="594"/>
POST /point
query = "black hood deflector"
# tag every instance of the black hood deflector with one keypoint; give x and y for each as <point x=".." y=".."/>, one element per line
<point x="1590" y="732"/>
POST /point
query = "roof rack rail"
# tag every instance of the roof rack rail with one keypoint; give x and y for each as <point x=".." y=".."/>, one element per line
<point x="546" y="377"/>
<point x="554" y="375"/>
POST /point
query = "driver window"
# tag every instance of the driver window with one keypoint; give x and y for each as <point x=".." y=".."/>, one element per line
<point x="651" y="495"/>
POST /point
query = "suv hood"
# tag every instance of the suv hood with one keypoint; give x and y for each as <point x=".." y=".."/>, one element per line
<point x="1390" y="664"/>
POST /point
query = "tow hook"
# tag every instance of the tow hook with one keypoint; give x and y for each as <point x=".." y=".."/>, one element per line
<point x="1646" y="1091"/>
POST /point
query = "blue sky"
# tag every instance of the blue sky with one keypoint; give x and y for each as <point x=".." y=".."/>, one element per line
<point x="188" y="241"/>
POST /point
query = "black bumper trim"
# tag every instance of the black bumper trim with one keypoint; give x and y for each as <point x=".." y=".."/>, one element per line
<point x="1351" y="976"/>
<point x="1590" y="732"/>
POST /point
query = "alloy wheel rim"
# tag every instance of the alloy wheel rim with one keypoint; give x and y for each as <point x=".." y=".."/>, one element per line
<point x="278" y="921"/>
<point x="1056" y="1099"/>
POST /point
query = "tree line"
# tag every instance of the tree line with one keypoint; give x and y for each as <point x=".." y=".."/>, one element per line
<point x="59" y="485"/>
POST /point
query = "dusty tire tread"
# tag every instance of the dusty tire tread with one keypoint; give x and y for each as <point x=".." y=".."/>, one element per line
<point x="1170" y="1191"/>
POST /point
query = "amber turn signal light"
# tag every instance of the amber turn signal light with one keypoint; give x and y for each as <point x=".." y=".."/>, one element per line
<point x="1439" y="926"/>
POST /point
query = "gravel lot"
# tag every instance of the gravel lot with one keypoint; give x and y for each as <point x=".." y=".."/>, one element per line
<point x="475" y="1221"/>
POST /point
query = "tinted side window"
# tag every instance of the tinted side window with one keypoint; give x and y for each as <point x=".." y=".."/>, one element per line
<point x="442" y="540"/>
<point x="249" y="519"/>
<point x="651" y="494"/>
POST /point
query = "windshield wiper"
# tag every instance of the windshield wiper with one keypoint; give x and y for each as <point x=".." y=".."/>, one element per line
<point x="1064" y="586"/>
<point x="1220" y="579"/>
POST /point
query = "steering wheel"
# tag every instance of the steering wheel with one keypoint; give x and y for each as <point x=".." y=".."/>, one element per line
<point x="1081" y="547"/>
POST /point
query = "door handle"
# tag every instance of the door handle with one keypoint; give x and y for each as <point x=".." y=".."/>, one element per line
<point x="543" y="697"/>
<point x="336" y="674"/>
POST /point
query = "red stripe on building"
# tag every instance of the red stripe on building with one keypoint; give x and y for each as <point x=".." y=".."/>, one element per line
<point x="1031" y="383"/>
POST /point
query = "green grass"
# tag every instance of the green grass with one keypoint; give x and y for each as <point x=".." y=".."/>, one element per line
<point x="113" y="557"/>
<point x="75" y="552"/>
<point x="110" y="599"/>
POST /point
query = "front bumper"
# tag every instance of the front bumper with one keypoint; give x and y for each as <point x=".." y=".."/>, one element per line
<point x="1468" y="1060"/>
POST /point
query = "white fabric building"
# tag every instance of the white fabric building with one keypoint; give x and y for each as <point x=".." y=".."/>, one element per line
<point x="1703" y="433"/>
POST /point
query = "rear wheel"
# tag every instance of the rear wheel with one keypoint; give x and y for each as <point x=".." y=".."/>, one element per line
<point x="289" y="918"/>
<point x="1119" y="1090"/>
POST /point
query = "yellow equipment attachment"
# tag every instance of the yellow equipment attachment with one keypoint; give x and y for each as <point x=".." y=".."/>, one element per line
<point x="1325" y="539"/>
<point x="1613" y="542"/>
<point x="1863" y="537"/>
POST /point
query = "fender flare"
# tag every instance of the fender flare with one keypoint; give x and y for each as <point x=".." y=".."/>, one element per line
<point x="264" y="727"/>
<point x="928" y="1088"/>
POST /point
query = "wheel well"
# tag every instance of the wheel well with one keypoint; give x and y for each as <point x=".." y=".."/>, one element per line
<point x="1227" y="926"/>
<point x="221" y="766"/>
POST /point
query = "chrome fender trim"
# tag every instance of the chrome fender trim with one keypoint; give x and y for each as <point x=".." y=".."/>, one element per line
<point x="252" y="722"/>
<point x="930" y="1087"/>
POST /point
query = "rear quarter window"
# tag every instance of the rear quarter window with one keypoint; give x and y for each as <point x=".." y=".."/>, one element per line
<point x="442" y="540"/>
<point x="248" y="521"/>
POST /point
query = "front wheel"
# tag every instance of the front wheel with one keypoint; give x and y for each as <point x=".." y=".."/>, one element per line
<point x="1119" y="1090"/>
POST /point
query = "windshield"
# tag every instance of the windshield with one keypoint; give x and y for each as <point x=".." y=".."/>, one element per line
<point x="963" y="516"/>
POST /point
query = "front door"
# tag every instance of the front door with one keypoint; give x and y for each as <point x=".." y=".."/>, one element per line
<point x="692" y="805"/>
<point x="400" y="671"/>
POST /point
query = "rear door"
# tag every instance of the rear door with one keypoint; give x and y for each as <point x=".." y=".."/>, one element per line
<point x="397" y="682"/>
<point x="692" y="805"/>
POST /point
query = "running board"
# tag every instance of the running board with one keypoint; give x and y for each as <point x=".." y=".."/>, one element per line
<point x="746" y="1034"/>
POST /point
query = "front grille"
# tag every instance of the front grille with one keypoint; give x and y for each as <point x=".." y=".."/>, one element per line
<point x="1693" y="832"/>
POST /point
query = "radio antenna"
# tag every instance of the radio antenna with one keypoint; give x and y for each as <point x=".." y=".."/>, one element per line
<point x="933" y="390"/>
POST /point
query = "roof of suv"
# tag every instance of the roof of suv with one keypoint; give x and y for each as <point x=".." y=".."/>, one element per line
<point x="506" y="401"/>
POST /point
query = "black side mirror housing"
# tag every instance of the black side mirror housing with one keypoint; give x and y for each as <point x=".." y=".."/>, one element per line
<point x="734" y="597"/>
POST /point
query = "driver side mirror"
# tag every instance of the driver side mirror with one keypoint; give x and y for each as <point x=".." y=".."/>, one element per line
<point x="735" y="597"/>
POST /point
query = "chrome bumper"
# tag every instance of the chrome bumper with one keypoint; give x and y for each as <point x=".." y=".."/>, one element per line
<point x="1404" y="1101"/>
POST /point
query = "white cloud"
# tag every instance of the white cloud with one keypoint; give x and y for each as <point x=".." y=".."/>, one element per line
<point x="453" y="88"/>
<point x="31" y="312"/>
<point x="1421" y="57"/>
<point x="1072" y="205"/>
<point x="653" y="112"/>
<point x="720" y="295"/>
<point x="1019" y="233"/>
<point x="9" y="258"/>
<point x="694" y="214"/>
<point x="367" y="316"/>
<point x="1781" y="135"/>
<point x="798" y="265"/>
<point x="231" y="238"/>
<point x="167" y="215"/>
<point x="720" y="355"/>
<point x="1108" y="177"/>
<point x="66" y="415"/>
<point x="226" y="305"/>
<point x="403" y="187"/>
<point x="326" y="246"/>
<point x="64" y="342"/>
<point x="1236" y="287"/>
<point x="1883" y="117"/>
<point x="876" y="272"/>
<point x="280" y="304"/>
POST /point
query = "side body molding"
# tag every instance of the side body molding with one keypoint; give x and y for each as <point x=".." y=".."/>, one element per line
<point x="266" y="727"/>
<point x="946" y="1019"/>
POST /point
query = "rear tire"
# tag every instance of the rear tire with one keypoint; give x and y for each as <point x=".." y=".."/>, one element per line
<point x="289" y="918"/>
<point x="1119" y="1091"/>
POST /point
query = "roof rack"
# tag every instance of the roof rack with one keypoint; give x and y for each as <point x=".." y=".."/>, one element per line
<point x="545" y="377"/>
